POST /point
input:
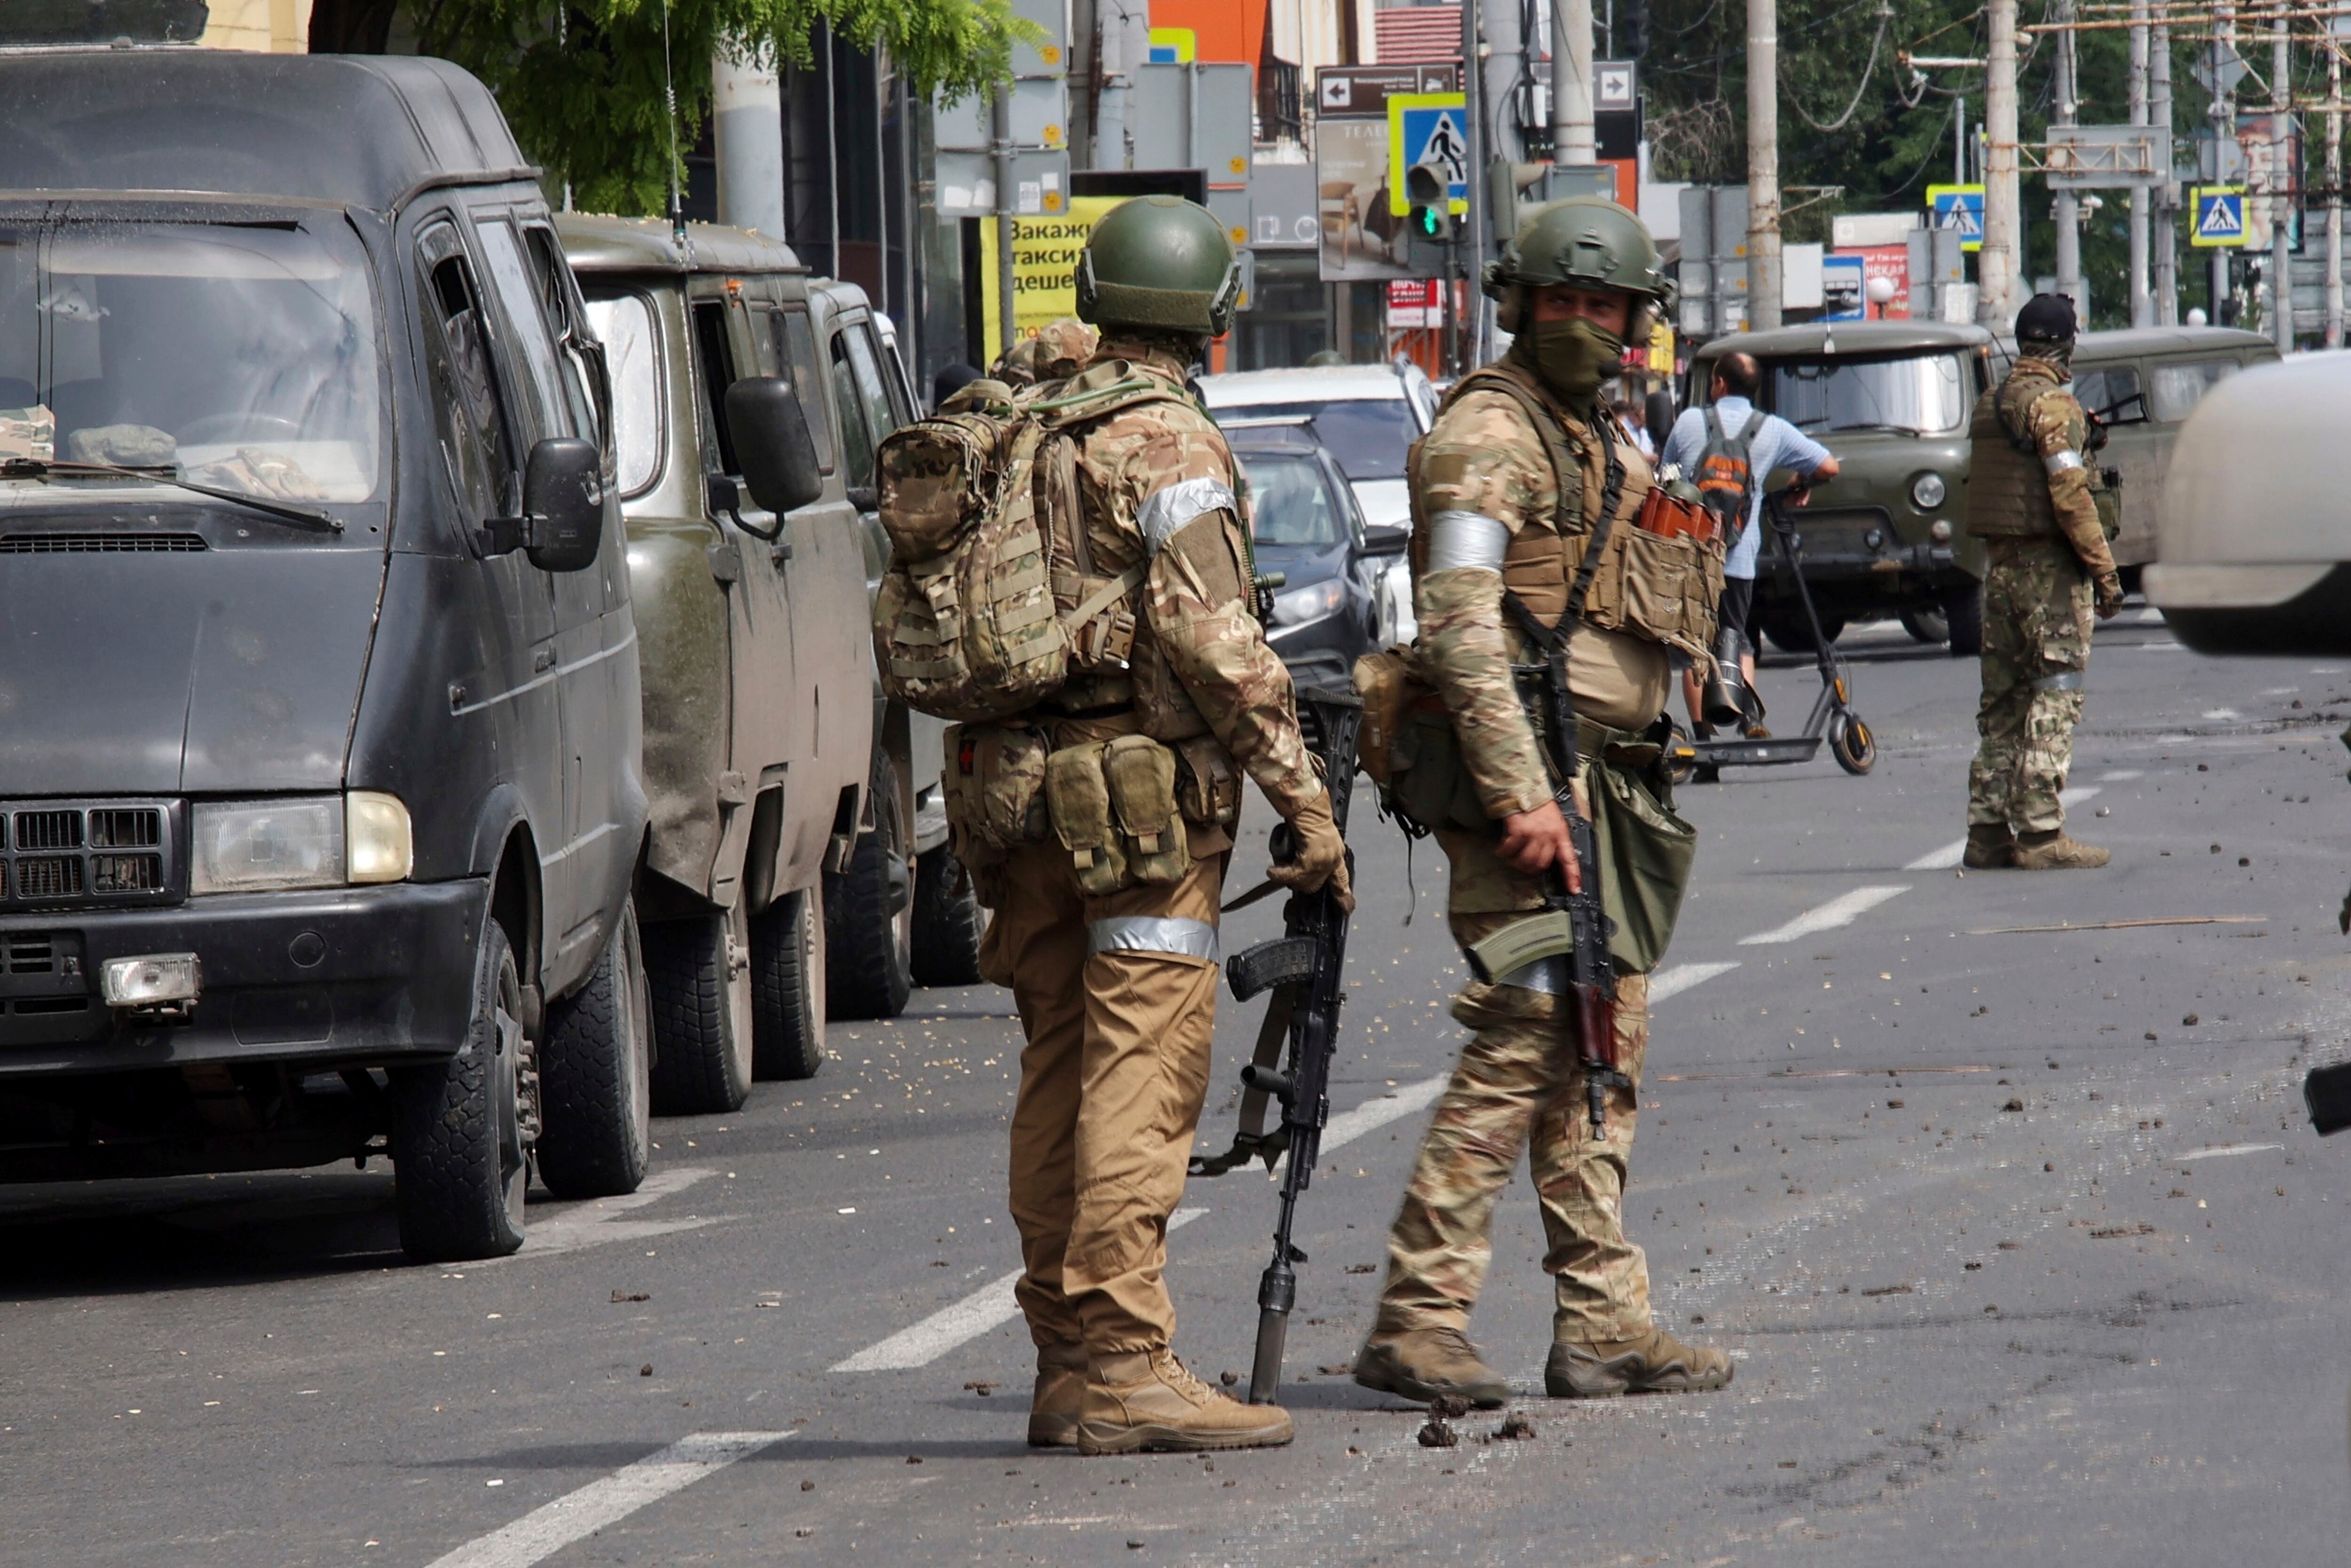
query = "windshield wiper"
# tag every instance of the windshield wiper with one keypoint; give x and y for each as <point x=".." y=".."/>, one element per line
<point x="36" y="468"/>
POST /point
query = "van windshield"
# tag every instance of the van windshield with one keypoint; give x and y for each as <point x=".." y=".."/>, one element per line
<point x="241" y="357"/>
<point x="1918" y="394"/>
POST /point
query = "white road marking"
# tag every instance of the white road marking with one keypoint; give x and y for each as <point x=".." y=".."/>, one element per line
<point x="1842" y="909"/>
<point x="2121" y="775"/>
<point x="1349" y="1125"/>
<point x="1674" y="979"/>
<point x="598" y="1224"/>
<point x="2223" y="1151"/>
<point x="2221" y="713"/>
<point x="542" y="1532"/>
<point x="1945" y="858"/>
<point x="952" y="1325"/>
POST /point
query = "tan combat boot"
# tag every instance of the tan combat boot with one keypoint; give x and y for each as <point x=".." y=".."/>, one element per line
<point x="2053" y="850"/>
<point x="1145" y="1400"/>
<point x="1989" y="847"/>
<point x="1060" y="1395"/>
<point x="1652" y="1362"/>
<point x="1422" y="1364"/>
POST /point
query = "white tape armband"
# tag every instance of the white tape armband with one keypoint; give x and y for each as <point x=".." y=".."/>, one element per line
<point x="2058" y="462"/>
<point x="1153" y="933"/>
<point x="2063" y="681"/>
<point x="1457" y="539"/>
<point x="1167" y="511"/>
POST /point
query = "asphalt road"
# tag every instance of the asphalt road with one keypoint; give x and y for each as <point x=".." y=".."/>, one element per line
<point x="2019" y="1236"/>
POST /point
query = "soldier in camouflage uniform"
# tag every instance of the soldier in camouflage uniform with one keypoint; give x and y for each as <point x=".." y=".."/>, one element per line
<point x="1060" y="349"/>
<point x="2030" y="498"/>
<point x="1117" y="993"/>
<point x="1579" y="282"/>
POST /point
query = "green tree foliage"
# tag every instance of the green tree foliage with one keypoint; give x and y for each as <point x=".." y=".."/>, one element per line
<point x="583" y="84"/>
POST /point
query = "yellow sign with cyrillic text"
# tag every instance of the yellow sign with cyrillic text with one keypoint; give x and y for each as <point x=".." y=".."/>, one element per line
<point x="1045" y="251"/>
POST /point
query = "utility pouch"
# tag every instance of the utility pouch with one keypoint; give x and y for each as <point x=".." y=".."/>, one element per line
<point x="1078" y="796"/>
<point x="1141" y="774"/>
<point x="1391" y="688"/>
<point x="1429" y="785"/>
<point x="994" y="791"/>
<point x="1646" y="854"/>
<point x="1207" y="790"/>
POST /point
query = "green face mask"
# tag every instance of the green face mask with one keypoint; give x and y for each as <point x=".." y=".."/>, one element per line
<point x="1571" y="357"/>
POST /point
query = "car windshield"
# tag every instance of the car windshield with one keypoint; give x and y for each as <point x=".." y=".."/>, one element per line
<point x="1368" y="436"/>
<point x="1919" y="394"/>
<point x="1289" y="503"/>
<point x="243" y="358"/>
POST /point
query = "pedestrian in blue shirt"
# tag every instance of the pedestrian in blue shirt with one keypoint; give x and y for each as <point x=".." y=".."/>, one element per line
<point x="1772" y="444"/>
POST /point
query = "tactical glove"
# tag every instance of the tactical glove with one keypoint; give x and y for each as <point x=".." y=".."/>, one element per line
<point x="1321" y="854"/>
<point x="2110" y="595"/>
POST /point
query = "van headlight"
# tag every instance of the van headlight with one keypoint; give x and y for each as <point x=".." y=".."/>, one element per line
<point x="1927" y="491"/>
<point x="1299" y="605"/>
<point x="312" y="841"/>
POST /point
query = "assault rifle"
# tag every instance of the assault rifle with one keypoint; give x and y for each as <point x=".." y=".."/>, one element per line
<point x="1291" y="1064"/>
<point x="1573" y="925"/>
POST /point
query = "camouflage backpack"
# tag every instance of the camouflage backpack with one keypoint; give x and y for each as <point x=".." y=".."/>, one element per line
<point x="992" y="602"/>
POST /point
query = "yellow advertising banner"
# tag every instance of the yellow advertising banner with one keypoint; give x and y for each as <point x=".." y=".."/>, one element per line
<point x="1045" y="252"/>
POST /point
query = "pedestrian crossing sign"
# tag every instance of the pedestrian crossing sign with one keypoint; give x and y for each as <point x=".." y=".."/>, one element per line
<point x="1428" y="127"/>
<point x="2220" y="216"/>
<point x="1960" y="207"/>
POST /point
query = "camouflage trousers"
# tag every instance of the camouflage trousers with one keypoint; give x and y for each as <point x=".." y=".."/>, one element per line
<point x="1518" y="1085"/>
<point x="2037" y="614"/>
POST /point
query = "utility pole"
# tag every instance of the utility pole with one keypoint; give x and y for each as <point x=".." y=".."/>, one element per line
<point x="1469" y="234"/>
<point x="1007" y="330"/>
<point x="2065" y="208"/>
<point x="1113" y="36"/>
<point x="1571" y="82"/>
<point x="2166" y="226"/>
<point x="747" y="131"/>
<point x="2334" y="192"/>
<point x="1764" y="291"/>
<point x="2224" y="130"/>
<point x="1996" y="262"/>
<point x="2282" y="184"/>
<point x="2142" y="299"/>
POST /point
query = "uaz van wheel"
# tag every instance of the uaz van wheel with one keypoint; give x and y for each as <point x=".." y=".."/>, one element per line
<point x="869" y="910"/>
<point x="949" y="922"/>
<point x="698" y="970"/>
<point x="462" y="1128"/>
<point x="787" y="986"/>
<point x="1963" y="614"/>
<point x="595" y="1076"/>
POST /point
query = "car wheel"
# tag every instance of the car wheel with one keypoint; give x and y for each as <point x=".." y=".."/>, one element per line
<point x="595" y="1076"/>
<point x="787" y="986"/>
<point x="1925" y="625"/>
<point x="869" y="910"/>
<point x="699" y="971"/>
<point x="949" y="921"/>
<point x="462" y="1128"/>
<point x="1963" y="614"/>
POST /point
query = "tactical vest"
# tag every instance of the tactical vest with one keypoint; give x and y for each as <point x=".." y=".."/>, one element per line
<point x="1660" y="588"/>
<point x="2008" y="487"/>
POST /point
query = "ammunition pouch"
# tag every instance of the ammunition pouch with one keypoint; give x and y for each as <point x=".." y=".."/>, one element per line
<point x="2107" y="494"/>
<point x="1112" y="805"/>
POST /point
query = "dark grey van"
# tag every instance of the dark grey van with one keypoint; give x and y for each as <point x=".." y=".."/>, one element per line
<point x="318" y="679"/>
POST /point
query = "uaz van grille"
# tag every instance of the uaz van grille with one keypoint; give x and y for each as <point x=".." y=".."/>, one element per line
<point x="96" y="853"/>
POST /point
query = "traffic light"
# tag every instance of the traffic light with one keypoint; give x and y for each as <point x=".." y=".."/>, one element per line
<point x="1431" y="193"/>
<point x="1640" y="9"/>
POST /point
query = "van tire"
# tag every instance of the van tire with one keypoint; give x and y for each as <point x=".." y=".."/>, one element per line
<point x="787" y="987"/>
<point x="1791" y="634"/>
<point x="460" y="1126"/>
<point x="1963" y="614"/>
<point x="699" y="971"/>
<point x="869" y="910"/>
<point x="595" y="1076"/>
<point x="949" y="921"/>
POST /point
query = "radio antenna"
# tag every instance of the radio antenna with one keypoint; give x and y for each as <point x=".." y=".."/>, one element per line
<point x="669" y="98"/>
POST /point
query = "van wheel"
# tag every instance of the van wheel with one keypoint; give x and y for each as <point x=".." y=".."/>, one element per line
<point x="1790" y="633"/>
<point x="788" y="975"/>
<point x="1925" y="625"/>
<point x="869" y="910"/>
<point x="462" y="1128"/>
<point x="595" y="1071"/>
<point x="949" y="921"/>
<point x="1963" y="614"/>
<point x="699" y="971"/>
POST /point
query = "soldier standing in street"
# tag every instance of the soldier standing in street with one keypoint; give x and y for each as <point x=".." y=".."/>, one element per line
<point x="1117" y="990"/>
<point x="2032" y="499"/>
<point x="1527" y="497"/>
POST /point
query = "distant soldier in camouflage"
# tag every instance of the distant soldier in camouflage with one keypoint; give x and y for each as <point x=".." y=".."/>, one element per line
<point x="2033" y="498"/>
<point x="1525" y="475"/>
<point x="1117" y="990"/>
<point x="1060" y="349"/>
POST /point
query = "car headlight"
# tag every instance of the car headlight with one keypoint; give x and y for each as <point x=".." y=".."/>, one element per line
<point x="314" y="840"/>
<point x="1927" y="491"/>
<point x="1311" y="602"/>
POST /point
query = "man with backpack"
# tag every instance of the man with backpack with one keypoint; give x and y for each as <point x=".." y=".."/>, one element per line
<point x="1070" y="579"/>
<point x="1727" y="449"/>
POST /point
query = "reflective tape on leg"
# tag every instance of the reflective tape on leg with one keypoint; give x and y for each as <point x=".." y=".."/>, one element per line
<point x="1153" y="933"/>
<point x="2063" y="681"/>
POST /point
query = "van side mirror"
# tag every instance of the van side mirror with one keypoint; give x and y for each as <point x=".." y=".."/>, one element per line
<point x="1387" y="539"/>
<point x="773" y="445"/>
<point x="562" y="521"/>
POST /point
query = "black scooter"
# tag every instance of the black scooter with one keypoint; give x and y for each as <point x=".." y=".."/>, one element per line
<point x="1832" y="717"/>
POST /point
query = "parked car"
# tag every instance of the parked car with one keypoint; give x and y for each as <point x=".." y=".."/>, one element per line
<point x="1886" y="536"/>
<point x="321" y="759"/>
<point x="2146" y="382"/>
<point x="1367" y="416"/>
<point x="1305" y="524"/>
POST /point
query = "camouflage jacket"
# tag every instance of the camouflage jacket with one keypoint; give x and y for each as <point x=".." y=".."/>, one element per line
<point x="1149" y="481"/>
<point x="2053" y="424"/>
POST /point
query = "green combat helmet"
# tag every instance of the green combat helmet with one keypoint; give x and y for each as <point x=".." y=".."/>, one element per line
<point x="1159" y="261"/>
<point x="1588" y="241"/>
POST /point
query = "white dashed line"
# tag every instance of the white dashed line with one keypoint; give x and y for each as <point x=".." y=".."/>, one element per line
<point x="1842" y="909"/>
<point x="2223" y="1151"/>
<point x="1675" y="978"/>
<point x="1945" y="858"/>
<point x="542" y="1532"/>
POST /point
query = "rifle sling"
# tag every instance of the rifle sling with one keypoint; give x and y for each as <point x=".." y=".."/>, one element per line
<point x="1250" y="1139"/>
